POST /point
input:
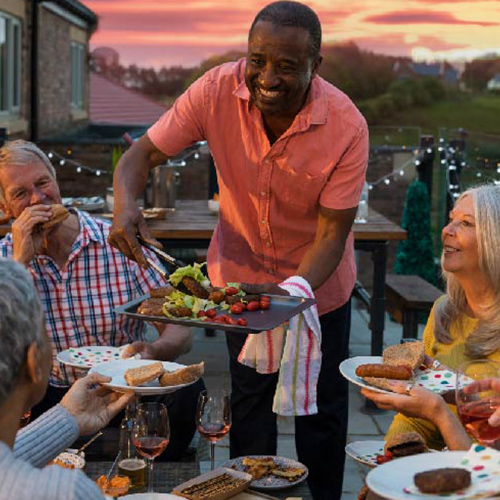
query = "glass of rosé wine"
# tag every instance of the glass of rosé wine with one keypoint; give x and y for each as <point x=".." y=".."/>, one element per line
<point x="213" y="417"/>
<point x="151" y="433"/>
<point x="477" y="398"/>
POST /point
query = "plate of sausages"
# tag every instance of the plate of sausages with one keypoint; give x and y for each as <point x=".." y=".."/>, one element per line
<point x="372" y="373"/>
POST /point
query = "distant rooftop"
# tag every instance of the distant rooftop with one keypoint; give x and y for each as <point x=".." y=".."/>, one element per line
<point x="113" y="104"/>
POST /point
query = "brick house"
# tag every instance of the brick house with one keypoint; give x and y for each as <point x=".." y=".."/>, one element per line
<point x="44" y="75"/>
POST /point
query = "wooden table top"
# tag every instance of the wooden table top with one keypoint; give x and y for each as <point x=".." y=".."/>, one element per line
<point x="193" y="221"/>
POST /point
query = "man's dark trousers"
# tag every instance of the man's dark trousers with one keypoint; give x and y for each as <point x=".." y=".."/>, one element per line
<point x="320" y="439"/>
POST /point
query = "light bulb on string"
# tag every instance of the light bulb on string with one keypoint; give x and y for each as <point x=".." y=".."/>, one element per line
<point x="50" y="155"/>
<point x="61" y="162"/>
<point x="196" y="156"/>
<point x="98" y="173"/>
<point x="387" y="182"/>
<point x="79" y="169"/>
<point x="370" y="187"/>
<point x="401" y="172"/>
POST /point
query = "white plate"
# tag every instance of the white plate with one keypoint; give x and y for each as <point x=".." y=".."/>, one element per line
<point x="391" y="480"/>
<point x="116" y="370"/>
<point x="150" y="496"/>
<point x="269" y="482"/>
<point x="437" y="381"/>
<point x="348" y="370"/>
<point x="89" y="356"/>
<point x="365" y="452"/>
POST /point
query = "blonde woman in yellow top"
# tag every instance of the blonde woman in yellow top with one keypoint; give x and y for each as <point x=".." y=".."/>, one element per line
<point x="464" y="324"/>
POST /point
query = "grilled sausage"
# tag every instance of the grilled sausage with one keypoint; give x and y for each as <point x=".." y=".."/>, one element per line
<point x="384" y="371"/>
<point x="180" y="312"/>
<point x="194" y="287"/>
<point x="217" y="296"/>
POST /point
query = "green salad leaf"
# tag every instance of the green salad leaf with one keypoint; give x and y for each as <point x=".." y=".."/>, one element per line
<point x="193" y="271"/>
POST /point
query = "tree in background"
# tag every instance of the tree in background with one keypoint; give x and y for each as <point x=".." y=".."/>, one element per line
<point x="415" y="255"/>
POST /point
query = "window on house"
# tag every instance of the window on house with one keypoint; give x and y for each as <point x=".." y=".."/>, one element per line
<point x="10" y="64"/>
<point x="77" y="74"/>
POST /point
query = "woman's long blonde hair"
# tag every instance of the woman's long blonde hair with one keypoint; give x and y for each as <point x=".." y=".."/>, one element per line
<point x="486" y="337"/>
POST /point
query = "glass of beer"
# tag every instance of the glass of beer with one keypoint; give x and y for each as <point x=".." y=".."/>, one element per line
<point x="135" y="469"/>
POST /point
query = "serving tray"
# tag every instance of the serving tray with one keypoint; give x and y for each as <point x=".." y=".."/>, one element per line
<point x="282" y="308"/>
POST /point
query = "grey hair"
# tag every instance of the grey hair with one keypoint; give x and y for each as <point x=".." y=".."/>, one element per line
<point x="19" y="153"/>
<point x="486" y="337"/>
<point x="21" y="320"/>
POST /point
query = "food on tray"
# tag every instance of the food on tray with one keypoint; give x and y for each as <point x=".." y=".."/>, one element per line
<point x="161" y="292"/>
<point x="213" y="487"/>
<point x="116" y="486"/>
<point x="384" y="371"/>
<point x="59" y="213"/>
<point x="62" y="463"/>
<point x="445" y="480"/>
<point x="151" y="307"/>
<point x="399" y="360"/>
<point x="192" y="297"/>
<point x="409" y="354"/>
<point x="143" y="374"/>
<point x="183" y="375"/>
<point x="154" y="213"/>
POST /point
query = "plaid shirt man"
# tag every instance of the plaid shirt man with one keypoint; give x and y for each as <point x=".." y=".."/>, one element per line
<point x="79" y="301"/>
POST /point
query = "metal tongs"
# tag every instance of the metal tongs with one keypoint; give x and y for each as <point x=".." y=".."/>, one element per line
<point x="162" y="256"/>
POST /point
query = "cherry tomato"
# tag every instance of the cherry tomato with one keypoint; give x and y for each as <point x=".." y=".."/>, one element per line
<point x="264" y="304"/>
<point x="201" y="314"/>
<point x="237" y="308"/>
<point x="265" y="298"/>
<point x="211" y="313"/>
<point x="253" y="306"/>
<point x="382" y="459"/>
<point x="232" y="290"/>
<point x="242" y="322"/>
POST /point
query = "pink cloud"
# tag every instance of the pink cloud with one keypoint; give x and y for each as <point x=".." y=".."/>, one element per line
<point x="422" y="17"/>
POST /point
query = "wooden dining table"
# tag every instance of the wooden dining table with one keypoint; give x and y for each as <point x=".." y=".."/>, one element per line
<point x="191" y="225"/>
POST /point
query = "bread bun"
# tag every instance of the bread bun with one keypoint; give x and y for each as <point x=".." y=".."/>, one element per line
<point x="410" y="354"/>
<point x="59" y="213"/>
<point x="185" y="375"/>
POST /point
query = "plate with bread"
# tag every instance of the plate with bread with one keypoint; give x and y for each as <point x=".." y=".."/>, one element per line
<point x="147" y="377"/>
<point x="269" y="472"/>
<point x="400" y="362"/>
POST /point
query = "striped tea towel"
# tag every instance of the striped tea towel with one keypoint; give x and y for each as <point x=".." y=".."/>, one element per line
<point x="296" y="355"/>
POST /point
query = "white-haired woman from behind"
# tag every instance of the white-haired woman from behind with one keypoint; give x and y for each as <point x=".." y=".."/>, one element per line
<point x="463" y="325"/>
<point x="25" y="363"/>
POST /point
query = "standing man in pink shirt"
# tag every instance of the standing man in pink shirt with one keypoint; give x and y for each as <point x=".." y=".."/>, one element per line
<point x="291" y="152"/>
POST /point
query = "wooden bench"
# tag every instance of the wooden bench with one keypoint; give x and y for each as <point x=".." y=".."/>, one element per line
<point x="406" y="297"/>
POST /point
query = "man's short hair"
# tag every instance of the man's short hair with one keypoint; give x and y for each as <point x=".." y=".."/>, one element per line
<point x="19" y="153"/>
<point x="293" y="15"/>
<point x="21" y="322"/>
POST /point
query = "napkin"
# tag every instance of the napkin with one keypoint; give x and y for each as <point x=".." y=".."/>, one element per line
<point x="438" y="381"/>
<point x="294" y="350"/>
<point x="483" y="464"/>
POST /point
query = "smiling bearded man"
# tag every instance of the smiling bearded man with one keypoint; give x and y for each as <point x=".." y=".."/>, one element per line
<point x="291" y="153"/>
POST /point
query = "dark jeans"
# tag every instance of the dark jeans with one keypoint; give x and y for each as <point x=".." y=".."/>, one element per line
<point x="181" y="406"/>
<point x="320" y="439"/>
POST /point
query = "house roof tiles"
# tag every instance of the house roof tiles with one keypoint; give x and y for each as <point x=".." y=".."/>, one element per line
<point x="113" y="104"/>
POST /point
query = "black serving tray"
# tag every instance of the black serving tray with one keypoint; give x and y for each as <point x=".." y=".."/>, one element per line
<point x="282" y="308"/>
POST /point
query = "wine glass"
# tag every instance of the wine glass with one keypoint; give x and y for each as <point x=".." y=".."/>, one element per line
<point x="476" y="402"/>
<point x="213" y="417"/>
<point x="151" y="433"/>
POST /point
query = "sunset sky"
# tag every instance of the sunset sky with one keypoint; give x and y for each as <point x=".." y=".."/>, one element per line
<point x="184" y="32"/>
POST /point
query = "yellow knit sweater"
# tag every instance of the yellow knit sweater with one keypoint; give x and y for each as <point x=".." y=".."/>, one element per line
<point x="451" y="355"/>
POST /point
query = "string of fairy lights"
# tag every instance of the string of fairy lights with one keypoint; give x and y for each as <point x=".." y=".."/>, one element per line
<point x="65" y="161"/>
<point x="453" y="160"/>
